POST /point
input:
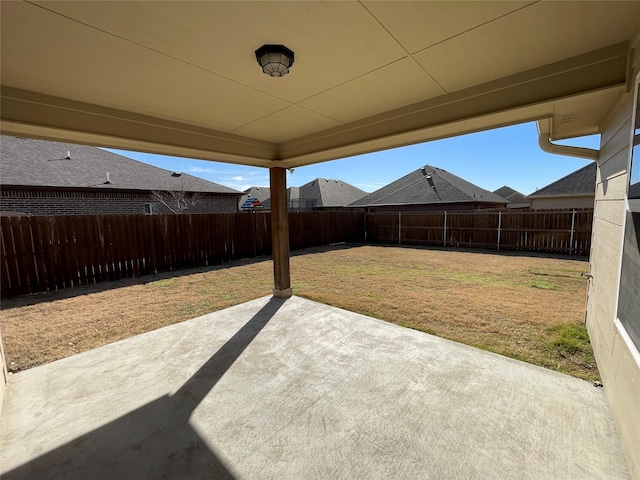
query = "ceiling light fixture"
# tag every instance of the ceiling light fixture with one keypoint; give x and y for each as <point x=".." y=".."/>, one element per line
<point x="275" y="60"/>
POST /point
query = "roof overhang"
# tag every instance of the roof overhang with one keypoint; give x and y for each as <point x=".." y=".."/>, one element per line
<point x="421" y="81"/>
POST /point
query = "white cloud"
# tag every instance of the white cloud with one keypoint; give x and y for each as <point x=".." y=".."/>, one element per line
<point x="237" y="177"/>
<point x="238" y="186"/>
<point x="370" y="187"/>
<point x="202" y="170"/>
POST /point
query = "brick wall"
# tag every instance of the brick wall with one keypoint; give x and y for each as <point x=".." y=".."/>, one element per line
<point x="43" y="202"/>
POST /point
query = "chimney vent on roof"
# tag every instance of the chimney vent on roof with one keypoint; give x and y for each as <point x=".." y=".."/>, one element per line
<point x="430" y="181"/>
<point x="108" y="182"/>
<point x="176" y="174"/>
<point x="68" y="157"/>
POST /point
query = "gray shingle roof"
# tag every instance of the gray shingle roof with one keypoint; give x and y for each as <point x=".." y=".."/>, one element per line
<point x="331" y="193"/>
<point x="429" y="185"/>
<point x="321" y="192"/>
<point x="505" y="192"/>
<point x="39" y="163"/>
<point x="580" y="182"/>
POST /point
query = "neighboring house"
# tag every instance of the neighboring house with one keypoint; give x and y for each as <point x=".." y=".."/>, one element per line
<point x="50" y="178"/>
<point x="576" y="190"/>
<point x="516" y="199"/>
<point x="321" y="194"/>
<point x="429" y="189"/>
<point x="259" y="194"/>
<point x="296" y="203"/>
<point x="330" y="194"/>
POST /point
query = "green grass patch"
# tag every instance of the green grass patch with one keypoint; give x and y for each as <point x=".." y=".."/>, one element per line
<point x="569" y="350"/>
<point x="571" y="338"/>
<point x="544" y="284"/>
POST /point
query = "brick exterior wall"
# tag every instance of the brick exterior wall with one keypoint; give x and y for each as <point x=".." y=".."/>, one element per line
<point x="44" y="202"/>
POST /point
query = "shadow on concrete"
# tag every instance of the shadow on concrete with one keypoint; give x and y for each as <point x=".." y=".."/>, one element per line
<point x="156" y="440"/>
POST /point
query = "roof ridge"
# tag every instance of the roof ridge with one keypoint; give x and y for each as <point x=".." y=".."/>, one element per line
<point x="423" y="168"/>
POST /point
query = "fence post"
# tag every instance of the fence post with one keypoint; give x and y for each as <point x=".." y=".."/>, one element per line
<point x="399" y="227"/>
<point x="365" y="227"/>
<point x="499" y="228"/>
<point x="573" y="223"/>
<point x="255" y="234"/>
<point x="444" y="238"/>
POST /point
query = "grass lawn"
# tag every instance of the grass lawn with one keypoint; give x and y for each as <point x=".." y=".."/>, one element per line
<point x="531" y="308"/>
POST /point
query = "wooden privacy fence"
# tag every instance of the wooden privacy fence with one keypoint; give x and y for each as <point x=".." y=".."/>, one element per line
<point x="551" y="231"/>
<point x="50" y="253"/>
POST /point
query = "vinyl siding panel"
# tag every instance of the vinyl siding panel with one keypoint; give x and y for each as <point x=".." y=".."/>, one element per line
<point x="614" y="188"/>
<point x="619" y="370"/>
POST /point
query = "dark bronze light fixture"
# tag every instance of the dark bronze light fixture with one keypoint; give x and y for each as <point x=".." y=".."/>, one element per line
<point x="275" y="60"/>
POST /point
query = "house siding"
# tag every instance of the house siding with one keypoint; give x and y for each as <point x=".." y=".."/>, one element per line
<point x="619" y="370"/>
<point x="47" y="202"/>
<point x="561" y="203"/>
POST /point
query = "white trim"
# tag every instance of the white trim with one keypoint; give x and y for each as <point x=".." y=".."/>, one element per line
<point x="635" y="353"/>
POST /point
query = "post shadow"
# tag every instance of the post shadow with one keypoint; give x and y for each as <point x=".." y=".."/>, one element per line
<point x="156" y="440"/>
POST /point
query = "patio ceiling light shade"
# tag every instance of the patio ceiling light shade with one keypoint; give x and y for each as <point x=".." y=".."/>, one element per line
<point x="275" y="60"/>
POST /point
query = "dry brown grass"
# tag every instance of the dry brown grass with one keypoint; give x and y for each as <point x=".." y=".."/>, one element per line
<point x="526" y="307"/>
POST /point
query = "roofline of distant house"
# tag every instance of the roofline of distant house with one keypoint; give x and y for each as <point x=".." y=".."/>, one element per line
<point x="42" y="188"/>
<point x="561" y="195"/>
<point x="423" y="203"/>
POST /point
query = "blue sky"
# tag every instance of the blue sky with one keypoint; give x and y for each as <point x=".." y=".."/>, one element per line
<point x="506" y="156"/>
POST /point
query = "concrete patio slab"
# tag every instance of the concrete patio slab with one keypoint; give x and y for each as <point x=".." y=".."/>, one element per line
<point x="292" y="389"/>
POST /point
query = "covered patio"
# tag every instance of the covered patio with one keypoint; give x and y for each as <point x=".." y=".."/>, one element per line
<point x="290" y="389"/>
<point x="284" y="388"/>
<point x="181" y="78"/>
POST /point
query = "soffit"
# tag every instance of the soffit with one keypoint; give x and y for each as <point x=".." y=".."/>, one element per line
<point x="527" y="38"/>
<point x="185" y="71"/>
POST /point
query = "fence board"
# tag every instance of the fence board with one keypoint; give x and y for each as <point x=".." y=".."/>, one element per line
<point x="10" y="267"/>
<point x="40" y="244"/>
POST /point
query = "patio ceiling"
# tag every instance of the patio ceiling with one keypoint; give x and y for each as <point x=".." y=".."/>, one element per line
<point x="181" y="78"/>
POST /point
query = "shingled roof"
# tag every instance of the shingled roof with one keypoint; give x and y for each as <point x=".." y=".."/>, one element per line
<point x="505" y="192"/>
<point x="429" y="185"/>
<point x="39" y="163"/>
<point x="580" y="182"/>
<point x="331" y="193"/>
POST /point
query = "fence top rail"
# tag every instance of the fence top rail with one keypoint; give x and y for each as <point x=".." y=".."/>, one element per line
<point x="485" y="212"/>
